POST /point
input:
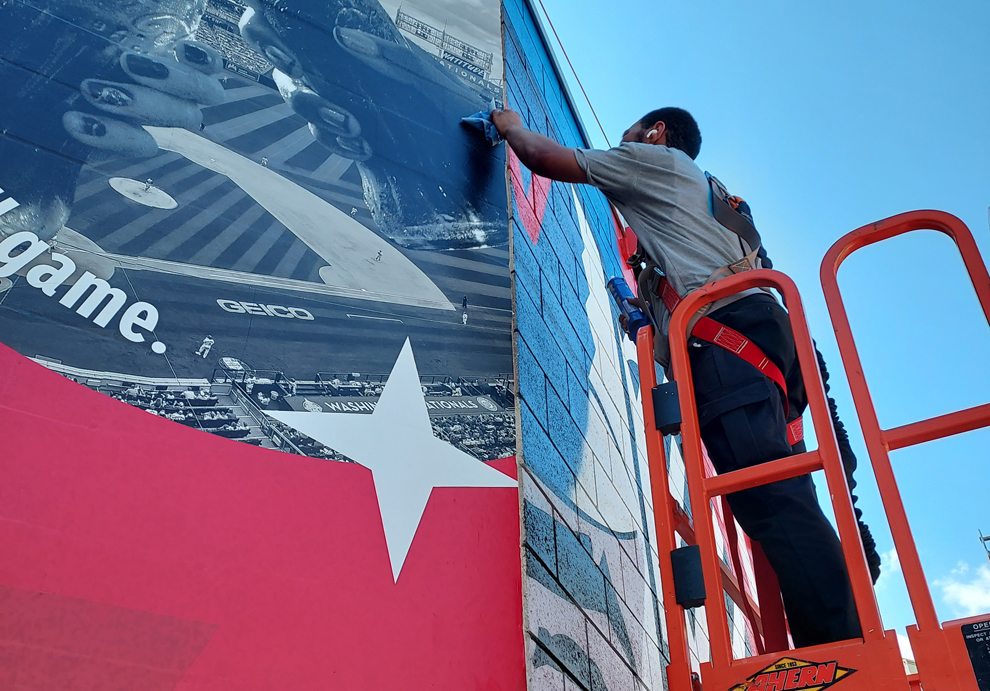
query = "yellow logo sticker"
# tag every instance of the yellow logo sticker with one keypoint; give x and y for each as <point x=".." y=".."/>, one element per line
<point x="788" y="674"/>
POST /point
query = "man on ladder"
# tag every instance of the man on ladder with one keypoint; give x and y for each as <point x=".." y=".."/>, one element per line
<point x="746" y="376"/>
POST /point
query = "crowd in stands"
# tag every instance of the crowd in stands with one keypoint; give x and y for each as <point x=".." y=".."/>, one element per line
<point x="219" y="30"/>
<point x="263" y="391"/>
<point x="486" y="437"/>
<point x="306" y="445"/>
<point x="194" y="408"/>
<point x="499" y="389"/>
<point x="226" y="9"/>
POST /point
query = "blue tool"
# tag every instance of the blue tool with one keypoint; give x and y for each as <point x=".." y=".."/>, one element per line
<point x="622" y="295"/>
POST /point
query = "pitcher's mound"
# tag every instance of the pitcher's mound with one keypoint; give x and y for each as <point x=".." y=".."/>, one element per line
<point x="141" y="193"/>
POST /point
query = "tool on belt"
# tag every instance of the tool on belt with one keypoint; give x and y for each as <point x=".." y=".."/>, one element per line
<point x="621" y="293"/>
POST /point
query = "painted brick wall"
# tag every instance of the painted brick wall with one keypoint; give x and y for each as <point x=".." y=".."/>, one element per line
<point x="593" y="617"/>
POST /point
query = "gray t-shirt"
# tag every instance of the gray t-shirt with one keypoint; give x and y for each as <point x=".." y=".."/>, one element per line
<point x="663" y="195"/>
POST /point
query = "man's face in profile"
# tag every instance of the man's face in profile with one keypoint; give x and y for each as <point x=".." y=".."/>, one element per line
<point x="635" y="134"/>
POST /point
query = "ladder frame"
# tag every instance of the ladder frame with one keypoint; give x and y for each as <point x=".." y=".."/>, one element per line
<point x="877" y="652"/>
<point x="765" y="612"/>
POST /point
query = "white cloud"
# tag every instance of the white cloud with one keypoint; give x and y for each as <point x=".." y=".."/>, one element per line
<point x="905" y="644"/>
<point x="968" y="592"/>
<point x="890" y="565"/>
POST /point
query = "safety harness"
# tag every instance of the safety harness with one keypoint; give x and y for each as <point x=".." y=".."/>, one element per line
<point x="732" y="213"/>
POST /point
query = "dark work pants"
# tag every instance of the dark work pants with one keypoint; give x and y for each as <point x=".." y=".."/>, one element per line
<point x="741" y="414"/>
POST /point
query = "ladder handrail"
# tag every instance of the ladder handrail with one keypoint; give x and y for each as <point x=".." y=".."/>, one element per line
<point x="664" y="517"/>
<point x="671" y="521"/>
<point x="879" y="441"/>
<point x="828" y="454"/>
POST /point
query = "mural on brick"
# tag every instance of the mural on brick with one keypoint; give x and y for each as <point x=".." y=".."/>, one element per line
<point x="268" y="195"/>
<point x="594" y="617"/>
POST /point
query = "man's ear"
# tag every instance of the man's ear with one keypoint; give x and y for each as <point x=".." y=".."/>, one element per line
<point x="656" y="134"/>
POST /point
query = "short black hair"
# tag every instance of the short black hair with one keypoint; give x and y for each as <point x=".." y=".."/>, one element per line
<point x="682" y="129"/>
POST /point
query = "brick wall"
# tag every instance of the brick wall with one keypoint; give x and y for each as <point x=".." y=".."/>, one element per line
<point x="594" y="619"/>
<point x="593" y="616"/>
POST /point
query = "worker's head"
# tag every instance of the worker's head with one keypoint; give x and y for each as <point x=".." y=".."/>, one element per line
<point x="673" y="127"/>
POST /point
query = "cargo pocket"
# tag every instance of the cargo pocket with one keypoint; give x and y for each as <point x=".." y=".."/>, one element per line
<point x="739" y="410"/>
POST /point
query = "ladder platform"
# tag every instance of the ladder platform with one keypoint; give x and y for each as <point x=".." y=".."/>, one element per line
<point x="856" y="665"/>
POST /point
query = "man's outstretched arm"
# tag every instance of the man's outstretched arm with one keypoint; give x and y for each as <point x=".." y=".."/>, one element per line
<point x="540" y="154"/>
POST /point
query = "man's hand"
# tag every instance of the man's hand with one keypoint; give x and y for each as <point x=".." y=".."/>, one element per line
<point x="639" y="304"/>
<point x="540" y="154"/>
<point x="505" y="120"/>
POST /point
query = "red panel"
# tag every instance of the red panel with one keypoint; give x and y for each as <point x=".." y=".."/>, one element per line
<point x="533" y="204"/>
<point x="153" y="539"/>
<point x="57" y="643"/>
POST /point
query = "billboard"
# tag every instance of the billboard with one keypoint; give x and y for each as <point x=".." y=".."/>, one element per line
<point x="260" y="222"/>
<point x="219" y="211"/>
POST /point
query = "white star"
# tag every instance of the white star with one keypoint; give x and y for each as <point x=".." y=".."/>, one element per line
<point x="396" y="443"/>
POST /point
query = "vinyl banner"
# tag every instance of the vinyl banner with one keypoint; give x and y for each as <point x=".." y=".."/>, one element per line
<point x="262" y="222"/>
<point x="210" y="209"/>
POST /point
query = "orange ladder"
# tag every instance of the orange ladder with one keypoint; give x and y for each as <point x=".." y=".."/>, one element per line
<point x="870" y="663"/>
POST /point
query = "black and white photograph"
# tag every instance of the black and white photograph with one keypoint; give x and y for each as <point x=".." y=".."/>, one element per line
<point x="214" y="210"/>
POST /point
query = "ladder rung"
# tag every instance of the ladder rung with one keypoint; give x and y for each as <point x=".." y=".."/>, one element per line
<point x="763" y="474"/>
<point x="938" y="427"/>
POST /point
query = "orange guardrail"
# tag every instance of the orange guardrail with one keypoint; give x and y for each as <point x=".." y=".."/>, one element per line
<point x="825" y="457"/>
<point x="769" y="627"/>
<point x="875" y="656"/>
<point x="667" y="517"/>
<point x="942" y="661"/>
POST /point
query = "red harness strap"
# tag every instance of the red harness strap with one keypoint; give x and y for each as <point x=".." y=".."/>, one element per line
<point x="709" y="330"/>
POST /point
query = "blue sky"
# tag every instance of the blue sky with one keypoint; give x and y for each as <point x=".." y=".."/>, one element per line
<point x="826" y="117"/>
